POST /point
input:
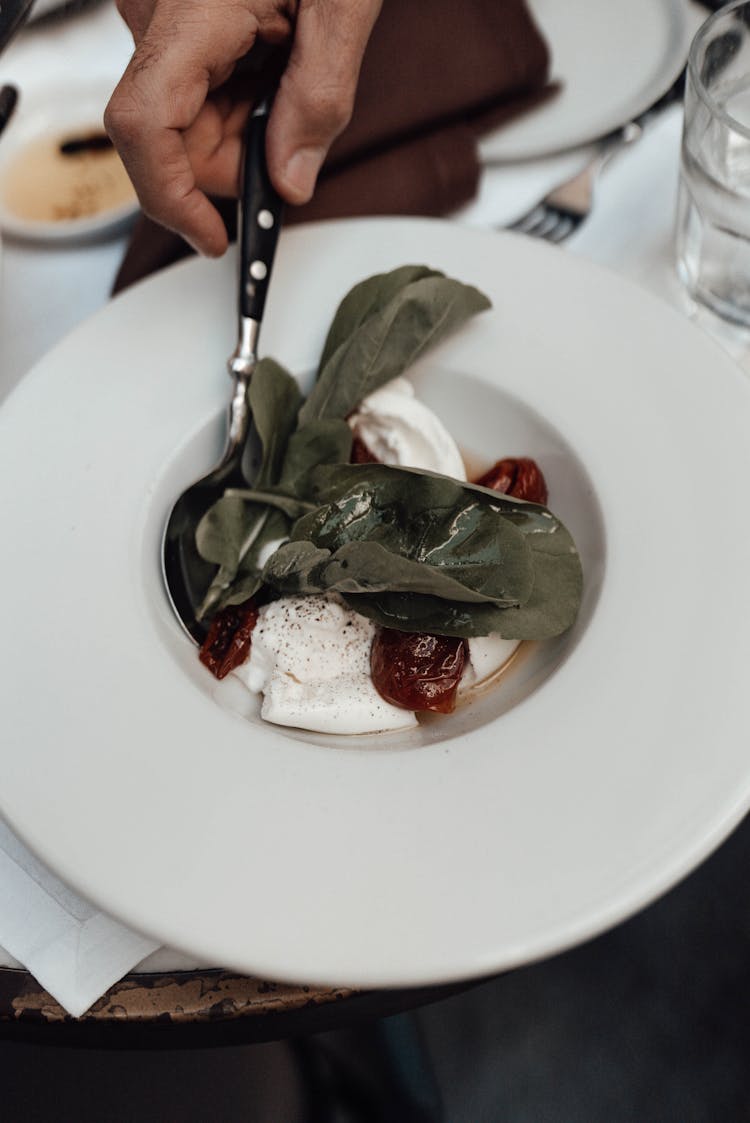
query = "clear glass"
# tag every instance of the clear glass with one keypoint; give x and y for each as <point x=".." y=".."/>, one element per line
<point x="713" y="213"/>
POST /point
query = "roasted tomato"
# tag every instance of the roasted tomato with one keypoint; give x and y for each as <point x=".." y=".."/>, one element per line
<point x="361" y="454"/>
<point x="417" y="671"/>
<point x="227" y="644"/>
<point x="520" y="477"/>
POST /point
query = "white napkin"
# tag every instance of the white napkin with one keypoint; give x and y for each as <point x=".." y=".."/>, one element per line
<point x="75" y="952"/>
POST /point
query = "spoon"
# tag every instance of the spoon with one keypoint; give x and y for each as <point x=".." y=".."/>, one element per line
<point x="8" y="99"/>
<point x="186" y="574"/>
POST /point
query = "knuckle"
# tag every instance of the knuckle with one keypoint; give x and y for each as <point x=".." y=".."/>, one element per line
<point x="121" y="118"/>
<point x="330" y="107"/>
<point x="128" y="10"/>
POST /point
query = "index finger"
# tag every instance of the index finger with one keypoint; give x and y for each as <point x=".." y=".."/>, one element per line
<point x="160" y="96"/>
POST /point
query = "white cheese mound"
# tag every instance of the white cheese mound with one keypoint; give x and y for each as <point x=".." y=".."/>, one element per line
<point x="487" y="654"/>
<point x="311" y="658"/>
<point x="399" y="429"/>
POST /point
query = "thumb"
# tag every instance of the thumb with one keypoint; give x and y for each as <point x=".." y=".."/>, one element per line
<point x="316" y="93"/>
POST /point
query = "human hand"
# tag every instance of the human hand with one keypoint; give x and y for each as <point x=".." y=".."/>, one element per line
<point x="176" y="117"/>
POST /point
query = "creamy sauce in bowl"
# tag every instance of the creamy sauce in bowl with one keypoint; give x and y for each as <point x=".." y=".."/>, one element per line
<point x="61" y="179"/>
<point x="64" y="177"/>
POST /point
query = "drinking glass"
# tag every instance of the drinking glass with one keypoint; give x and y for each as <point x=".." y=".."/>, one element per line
<point x="713" y="213"/>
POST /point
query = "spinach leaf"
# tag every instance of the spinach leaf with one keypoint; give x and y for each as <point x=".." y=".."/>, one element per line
<point x="547" y="614"/>
<point x="389" y="341"/>
<point x="241" y="577"/>
<point x="366" y="298"/>
<point x="413" y="613"/>
<point x="468" y="534"/>
<point x="320" y="442"/>
<point x="274" y="399"/>
<point x="233" y="526"/>
<point x="430" y="519"/>
<point x="292" y="508"/>
<point x="301" y="568"/>
<point x="550" y="610"/>
<point x="225" y="532"/>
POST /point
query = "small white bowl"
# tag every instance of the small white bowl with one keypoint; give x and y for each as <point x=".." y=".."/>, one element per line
<point x="57" y="115"/>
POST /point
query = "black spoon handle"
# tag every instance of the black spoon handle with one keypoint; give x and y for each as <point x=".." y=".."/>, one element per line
<point x="260" y="216"/>
<point x="8" y="99"/>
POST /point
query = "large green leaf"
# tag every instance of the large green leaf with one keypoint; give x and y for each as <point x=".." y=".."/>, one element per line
<point x="429" y="519"/>
<point x="226" y="530"/>
<point x="320" y="442"/>
<point x="366" y="298"/>
<point x="241" y="578"/>
<point x="388" y="341"/>
<point x="234" y="525"/>
<point x="274" y="399"/>
<point x="460" y="529"/>
<point x="301" y="568"/>
<point x="549" y="612"/>
<point x="413" y="613"/>
<point x="292" y="508"/>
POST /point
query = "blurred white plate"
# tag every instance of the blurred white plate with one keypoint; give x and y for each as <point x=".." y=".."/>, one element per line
<point x="43" y="7"/>
<point x="614" y="58"/>
<point x="546" y="810"/>
<point x="43" y="112"/>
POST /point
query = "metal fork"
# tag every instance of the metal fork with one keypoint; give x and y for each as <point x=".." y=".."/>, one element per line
<point x="561" y="212"/>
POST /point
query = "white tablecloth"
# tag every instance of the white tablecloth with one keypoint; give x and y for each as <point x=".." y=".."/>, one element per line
<point x="74" y="950"/>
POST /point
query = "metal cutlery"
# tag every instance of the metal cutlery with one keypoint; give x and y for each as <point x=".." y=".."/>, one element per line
<point x="186" y="574"/>
<point x="560" y="213"/>
<point x="8" y="99"/>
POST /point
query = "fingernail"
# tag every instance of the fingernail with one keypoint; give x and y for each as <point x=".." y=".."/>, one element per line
<point x="302" y="171"/>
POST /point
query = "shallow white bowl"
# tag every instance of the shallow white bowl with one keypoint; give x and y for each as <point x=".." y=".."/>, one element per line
<point x="516" y="827"/>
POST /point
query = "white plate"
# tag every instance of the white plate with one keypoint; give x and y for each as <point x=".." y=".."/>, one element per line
<point x="534" y="818"/>
<point x="42" y="8"/>
<point x="45" y="112"/>
<point x="614" y="58"/>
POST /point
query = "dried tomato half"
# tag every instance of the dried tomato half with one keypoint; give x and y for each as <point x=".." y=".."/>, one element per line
<point x="416" y="670"/>
<point x="227" y="644"/>
<point x="361" y="454"/>
<point x="520" y="477"/>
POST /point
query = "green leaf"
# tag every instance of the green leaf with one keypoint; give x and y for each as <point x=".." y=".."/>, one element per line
<point x="556" y="595"/>
<point x="276" y="526"/>
<point x="411" y="613"/>
<point x="466" y="533"/>
<point x="231" y="527"/>
<point x="241" y="578"/>
<point x="320" y="442"/>
<point x="388" y="341"/>
<point x="225" y="590"/>
<point x="274" y="399"/>
<point x="292" y="508"/>
<point x="542" y="618"/>
<point x="301" y="568"/>
<point x="430" y="519"/>
<point x="366" y="298"/>
<point x="225" y="535"/>
<point x="226" y="530"/>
